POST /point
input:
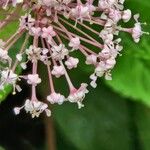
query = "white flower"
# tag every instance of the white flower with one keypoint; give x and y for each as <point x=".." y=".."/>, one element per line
<point x="35" y="108"/>
<point x="59" y="52"/>
<point x="106" y="4"/>
<point x="19" y="57"/>
<point x="106" y="35"/>
<point x="23" y="65"/>
<point x="93" y="77"/>
<point x="3" y="54"/>
<point x="99" y="70"/>
<point x="91" y="59"/>
<point x="126" y="15"/>
<point x="80" y="12"/>
<point x="71" y="62"/>
<point x="137" y="32"/>
<point x="115" y="15"/>
<point x="34" y="53"/>
<point x="48" y="32"/>
<point x="77" y="96"/>
<point x="17" y="110"/>
<point x="33" y="79"/>
<point x="35" y="31"/>
<point x="58" y="71"/>
<point x="26" y="22"/>
<point x="91" y="7"/>
<point x="75" y="43"/>
<point x="9" y="77"/>
<point x="55" y="98"/>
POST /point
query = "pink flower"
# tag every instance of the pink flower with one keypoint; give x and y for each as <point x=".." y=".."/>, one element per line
<point x="58" y="71"/>
<point x="91" y="59"/>
<point x="33" y="79"/>
<point x="59" y="51"/>
<point x="126" y="15"/>
<point x="115" y="15"/>
<point x="48" y="32"/>
<point x="93" y="83"/>
<point x="137" y="32"/>
<point x="3" y="54"/>
<point x="55" y="98"/>
<point x="80" y="12"/>
<point x="35" y="31"/>
<point x="71" y="62"/>
<point x="77" y="96"/>
<point x="75" y="43"/>
<point x="106" y="35"/>
<point x="35" y="108"/>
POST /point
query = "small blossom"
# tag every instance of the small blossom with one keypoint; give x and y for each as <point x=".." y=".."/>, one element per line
<point x="93" y="77"/>
<point x="34" y="53"/>
<point x="19" y="57"/>
<point x="26" y="22"/>
<point x="33" y="79"/>
<point x="77" y="96"/>
<point x="115" y="15"/>
<point x="80" y="12"/>
<point x="137" y="32"/>
<point x="17" y="110"/>
<point x="35" y="31"/>
<point x="72" y="62"/>
<point x="75" y="43"/>
<point x="99" y="71"/>
<point x="106" y="36"/>
<point x="3" y="54"/>
<point x="91" y="7"/>
<point x="58" y="71"/>
<point x="106" y="4"/>
<point x="23" y="65"/>
<point x="55" y="98"/>
<point x="91" y="59"/>
<point x="48" y="32"/>
<point x="59" y="52"/>
<point x="9" y="77"/>
<point x="35" y="108"/>
<point x="126" y="15"/>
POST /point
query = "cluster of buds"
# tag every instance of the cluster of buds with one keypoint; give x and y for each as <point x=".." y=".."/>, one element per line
<point x="60" y="28"/>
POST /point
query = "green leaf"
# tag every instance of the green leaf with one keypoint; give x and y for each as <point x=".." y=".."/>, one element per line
<point x="142" y="120"/>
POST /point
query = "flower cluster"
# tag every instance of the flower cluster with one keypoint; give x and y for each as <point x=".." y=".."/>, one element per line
<point x="58" y="29"/>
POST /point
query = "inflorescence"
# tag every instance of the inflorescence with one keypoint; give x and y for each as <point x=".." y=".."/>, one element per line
<point x="58" y="28"/>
